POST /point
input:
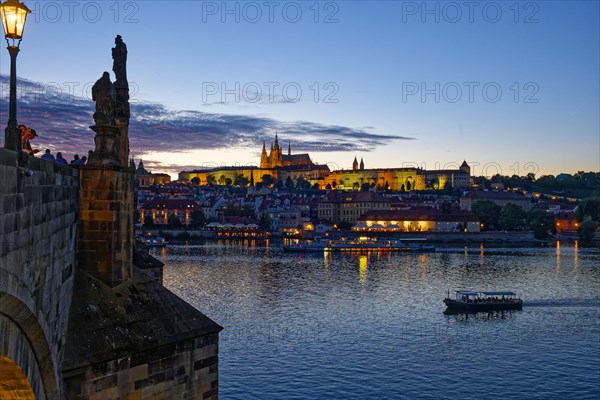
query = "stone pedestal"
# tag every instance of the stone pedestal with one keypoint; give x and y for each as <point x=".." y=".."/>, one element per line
<point x="106" y="222"/>
<point x="107" y="140"/>
<point x="123" y="142"/>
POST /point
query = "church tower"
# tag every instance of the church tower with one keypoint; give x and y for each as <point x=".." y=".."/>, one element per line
<point x="355" y="165"/>
<point x="362" y="164"/>
<point x="264" y="160"/>
<point x="276" y="153"/>
<point x="465" y="167"/>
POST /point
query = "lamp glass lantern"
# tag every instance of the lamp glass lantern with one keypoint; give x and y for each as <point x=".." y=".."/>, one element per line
<point x="13" y="14"/>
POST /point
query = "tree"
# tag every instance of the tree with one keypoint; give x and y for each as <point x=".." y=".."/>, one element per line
<point x="587" y="230"/>
<point x="590" y="206"/>
<point x="356" y="186"/>
<point x="197" y="219"/>
<point x="542" y="223"/>
<point x="315" y="186"/>
<point x="488" y="213"/>
<point x="512" y="217"/>
<point x="268" y="180"/>
<point x="433" y="183"/>
<point x="408" y="187"/>
<point x="328" y="187"/>
<point x="222" y="180"/>
<point x="333" y="184"/>
<point x="174" y="221"/>
<point x="289" y="184"/>
<point x="279" y="184"/>
<point x="241" y="180"/>
<point x="195" y="181"/>
<point x="302" y="184"/>
<point x="265" y="221"/>
<point x="402" y="188"/>
<point x="365" y="187"/>
<point x="211" y="180"/>
<point x="228" y="181"/>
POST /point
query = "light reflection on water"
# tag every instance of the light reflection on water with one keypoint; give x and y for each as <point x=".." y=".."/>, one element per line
<point x="333" y="326"/>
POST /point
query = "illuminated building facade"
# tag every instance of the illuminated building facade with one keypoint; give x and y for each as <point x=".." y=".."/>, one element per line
<point x="417" y="220"/>
<point x="145" y="178"/>
<point x="340" y="206"/>
<point x="161" y="209"/>
<point x="397" y="179"/>
<point x="279" y="166"/>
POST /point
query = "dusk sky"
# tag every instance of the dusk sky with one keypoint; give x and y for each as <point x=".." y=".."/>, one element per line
<point x="510" y="87"/>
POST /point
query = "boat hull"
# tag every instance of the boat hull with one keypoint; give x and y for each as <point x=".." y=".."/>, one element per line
<point x="298" y="249"/>
<point x="460" y="306"/>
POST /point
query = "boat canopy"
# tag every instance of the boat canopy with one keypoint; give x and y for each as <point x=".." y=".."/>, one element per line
<point x="467" y="292"/>
<point x="472" y="293"/>
<point x="499" y="293"/>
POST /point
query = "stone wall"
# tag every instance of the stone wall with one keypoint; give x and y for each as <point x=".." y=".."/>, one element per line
<point x="38" y="230"/>
<point x="185" y="370"/>
<point x="106" y="223"/>
<point x="78" y="317"/>
<point x="137" y="340"/>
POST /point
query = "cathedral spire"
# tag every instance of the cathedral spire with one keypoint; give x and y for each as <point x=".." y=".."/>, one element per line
<point x="289" y="148"/>
<point x="362" y="164"/>
<point x="276" y="141"/>
<point x="355" y="165"/>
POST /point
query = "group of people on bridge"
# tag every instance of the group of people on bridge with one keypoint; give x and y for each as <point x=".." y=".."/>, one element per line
<point x="28" y="134"/>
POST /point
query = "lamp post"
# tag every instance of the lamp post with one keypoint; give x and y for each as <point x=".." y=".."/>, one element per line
<point x="13" y="14"/>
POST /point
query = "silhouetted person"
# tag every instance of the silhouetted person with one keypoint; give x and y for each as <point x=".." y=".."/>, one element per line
<point x="75" y="159"/>
<point x="81" y="161"/>
<point x="60" y="159"/>
<point x="48" y="156"/>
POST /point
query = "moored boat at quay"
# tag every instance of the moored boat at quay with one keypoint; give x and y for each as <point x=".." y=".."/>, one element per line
<point x="473" y="301"/>
<point x="364" y="243"/>
<point x="306" y="246"/>
<point x="360" y="244"/>
<point x="152" y="241"/>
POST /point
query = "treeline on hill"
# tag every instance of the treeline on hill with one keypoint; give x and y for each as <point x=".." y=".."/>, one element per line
<point x="512" y="217"/>
<point x="580" y="185"/>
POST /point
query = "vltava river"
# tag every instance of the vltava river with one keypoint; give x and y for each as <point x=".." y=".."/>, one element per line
<point x="349" y="326"/>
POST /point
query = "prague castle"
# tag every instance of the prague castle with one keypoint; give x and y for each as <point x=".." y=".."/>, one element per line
<point x="276" y="158"/>
<point x="280" y="166"/>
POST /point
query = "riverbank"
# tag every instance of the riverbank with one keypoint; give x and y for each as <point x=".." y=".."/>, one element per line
<point x="521" y="237"/>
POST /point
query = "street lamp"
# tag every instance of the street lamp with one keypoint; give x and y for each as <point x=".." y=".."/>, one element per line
<point x="13" y="14"/>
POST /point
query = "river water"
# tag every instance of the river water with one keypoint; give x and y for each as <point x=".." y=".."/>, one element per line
<point x="371" y="326"/>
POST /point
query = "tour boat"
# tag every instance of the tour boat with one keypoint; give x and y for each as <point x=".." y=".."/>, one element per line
<point x="471" y="301"/>
<point x="364" y="243"/>
<point x="360" y="244"/>
<point x="153" y="241"/>
<point x="306" y="246"/>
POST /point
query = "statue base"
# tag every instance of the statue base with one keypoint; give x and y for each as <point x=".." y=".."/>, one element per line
<point x="107" y="140"/>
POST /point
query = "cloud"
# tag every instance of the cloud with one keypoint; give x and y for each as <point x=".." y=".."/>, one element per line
<point x="62" y="120"/>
